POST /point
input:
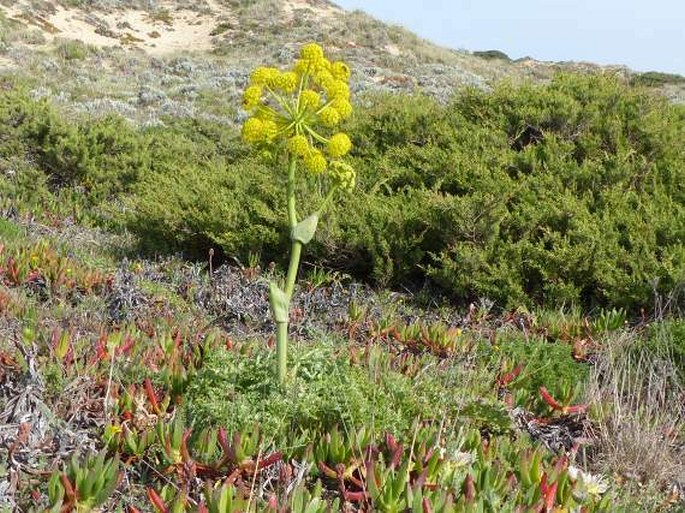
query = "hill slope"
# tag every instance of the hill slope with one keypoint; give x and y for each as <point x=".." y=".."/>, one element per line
<point x="143" y="59"/>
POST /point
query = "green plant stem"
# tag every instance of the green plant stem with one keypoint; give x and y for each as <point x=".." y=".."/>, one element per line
<point x="292" y="213"/>
<point x="327" y="200"/>
<point x="296" y="246"/>
<point x="282" y="350"/>
<point x="295" y="252"/>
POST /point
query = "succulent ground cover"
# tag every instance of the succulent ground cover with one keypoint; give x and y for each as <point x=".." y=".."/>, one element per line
<point x="150" y="385"/>
<point x="137" y="355"/>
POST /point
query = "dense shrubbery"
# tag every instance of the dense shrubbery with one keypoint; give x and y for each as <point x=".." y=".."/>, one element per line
<point x="565" y="193"/>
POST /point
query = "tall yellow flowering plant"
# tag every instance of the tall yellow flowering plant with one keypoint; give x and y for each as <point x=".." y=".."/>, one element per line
<point x="296" y="111"/>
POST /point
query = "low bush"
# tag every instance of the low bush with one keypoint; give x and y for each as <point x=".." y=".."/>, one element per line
<point x="104" y="156"/>
<point x="657" y="79"/>
<point x="191" y="206"/>
<point x="564" y="194"/>
<point x="492" y="55"/>
<point x="561" y="194"/>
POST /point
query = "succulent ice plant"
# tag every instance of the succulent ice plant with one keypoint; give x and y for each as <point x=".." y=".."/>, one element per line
<point x="295" y="113"/>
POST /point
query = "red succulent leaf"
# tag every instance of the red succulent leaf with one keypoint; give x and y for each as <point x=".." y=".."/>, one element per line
<point x="426" y="505"/>
<point x="126" y="347"/>
<point x="547" y="397"/>
<point x="356" y="496"/>
<point x="326" y="470"/>
<point x="157" y="501"/>
<point x="421" y="480"/>
<point x="550" y="495"/>
<point x="185" y="454"/>
<point x="151" y="396"/>
<point x="509" y="377"/>
<point x="511" y="481"/>
<point x="555" y="405"/>
<point x="270" y="460"/>
<point x="469" y="489"/>
<point x="101" y="348"/>
<point x="68" y="488"/>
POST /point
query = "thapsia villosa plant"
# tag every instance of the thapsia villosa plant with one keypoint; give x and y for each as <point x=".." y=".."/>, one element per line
<point x="295" y="113"/>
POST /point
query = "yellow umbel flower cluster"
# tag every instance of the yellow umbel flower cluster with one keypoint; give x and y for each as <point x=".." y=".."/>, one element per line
<point x="343" y="175"/>
<point x="298" y="106"/>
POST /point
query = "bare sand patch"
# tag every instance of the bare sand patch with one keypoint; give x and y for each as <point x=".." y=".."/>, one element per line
<point x="178" y="30"/>
<point x="321" y="10"/>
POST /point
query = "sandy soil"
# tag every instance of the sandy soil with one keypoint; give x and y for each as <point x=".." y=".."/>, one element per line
<point x="320" y="10"/>
<point x="182" y="30"/>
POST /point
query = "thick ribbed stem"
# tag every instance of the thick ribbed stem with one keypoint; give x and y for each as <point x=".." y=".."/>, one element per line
<point x="282" y="350"/>
<point x="295" y="252"/>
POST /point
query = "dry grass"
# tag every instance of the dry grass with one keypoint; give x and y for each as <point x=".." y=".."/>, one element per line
<point x="640" y="410"/>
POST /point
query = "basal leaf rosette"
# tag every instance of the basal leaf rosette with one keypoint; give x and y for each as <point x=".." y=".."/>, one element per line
<point x="299" y="109"/>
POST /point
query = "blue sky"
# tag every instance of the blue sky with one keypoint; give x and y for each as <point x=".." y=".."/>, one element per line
<point x="646" y="35"/>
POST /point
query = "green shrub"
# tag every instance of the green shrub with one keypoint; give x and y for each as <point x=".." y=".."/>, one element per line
<point x="105" y="155"/>
<point x="656" y="79"/>
<point x="587" y="210"/>
<point x="191" y="206"/>
<point x="492" y="55"/>
<point x="73" y="49"/>
<point x="560" y="194"/>
<point x="567" y="193"/>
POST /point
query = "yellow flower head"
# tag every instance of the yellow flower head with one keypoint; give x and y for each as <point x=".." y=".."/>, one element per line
<point x="339" y="145"/>
<point x="323" y="77"/>
<point x="263" y="76"/>
<point x="315" y="162"/>
<point x="310" y="99"/>
<point x="344" y="107"/>
<point x="295" y="107"/>
<point x="340" y="70"/>
<point x="253" y="130"/>
<point x="329" y="117"/>
<point x="252" y="96"/>
<point x="337" y="89"/>
<point x="299" y="145"/>
<point x="269" y="129"/>
<point x="287" y="81"/>
<point x="343" y="175"/>
<point x="312" y="59"/>
<point x="311" y="52"/>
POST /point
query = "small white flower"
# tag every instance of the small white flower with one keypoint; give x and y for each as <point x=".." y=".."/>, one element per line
<point x="587" y="485"/>
<point x="462" y="459"/>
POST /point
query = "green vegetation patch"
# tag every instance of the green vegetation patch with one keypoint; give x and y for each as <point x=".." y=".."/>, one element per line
<point x="563" y="194"/>
<point x="238" y="389"/>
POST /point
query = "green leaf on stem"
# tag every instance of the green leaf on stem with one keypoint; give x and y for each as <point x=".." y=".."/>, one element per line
<point x="279" y="303"/>
<point x="304" y="230"/>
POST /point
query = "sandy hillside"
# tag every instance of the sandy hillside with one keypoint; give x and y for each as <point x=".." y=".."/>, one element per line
<point x="167" y="30"/>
